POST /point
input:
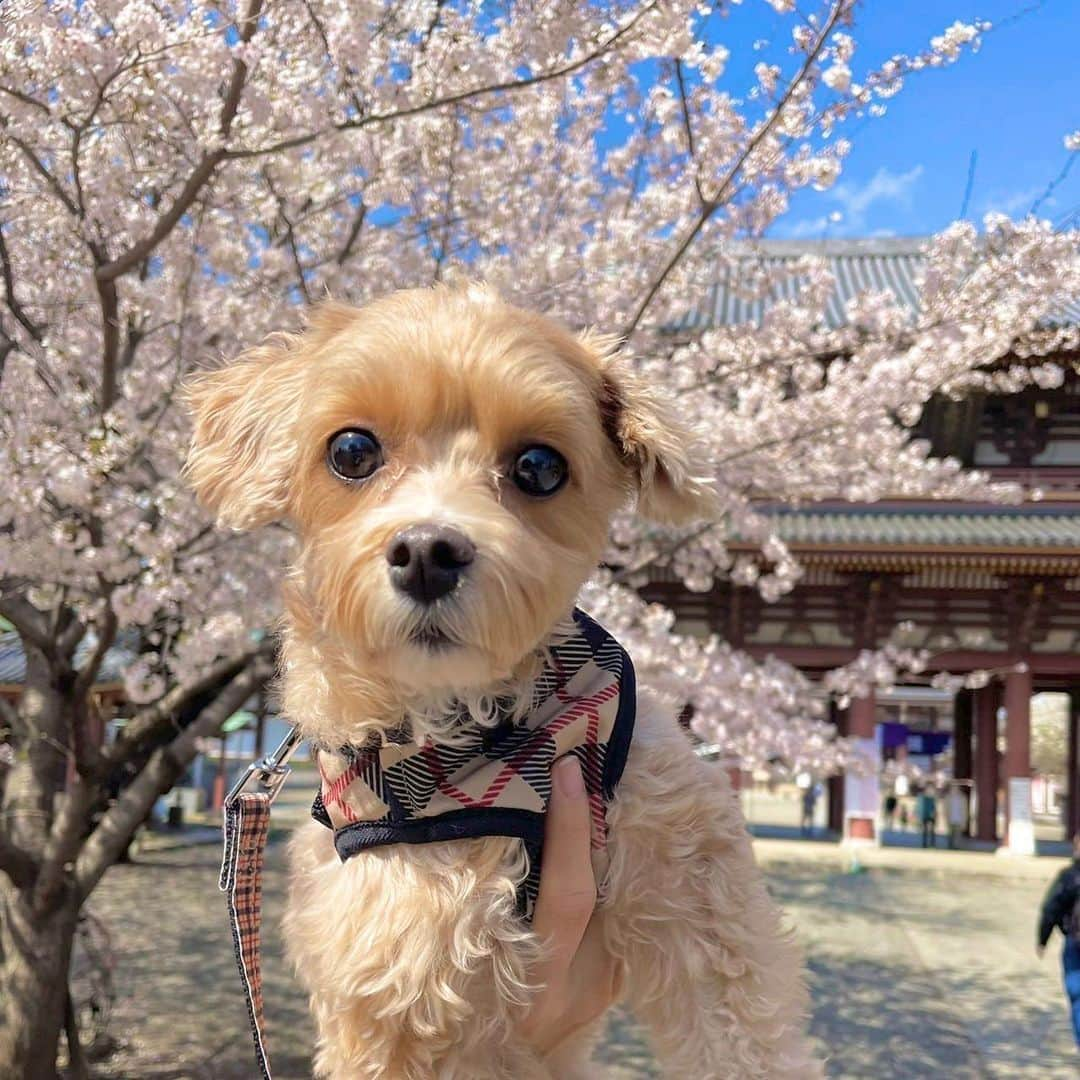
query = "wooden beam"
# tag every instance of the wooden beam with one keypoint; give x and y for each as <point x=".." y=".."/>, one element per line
<point x="823" y="657"/>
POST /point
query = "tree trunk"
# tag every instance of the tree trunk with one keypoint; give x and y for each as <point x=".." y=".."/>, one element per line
<point x="35" y="953"/>
<point x="39" y="909"/>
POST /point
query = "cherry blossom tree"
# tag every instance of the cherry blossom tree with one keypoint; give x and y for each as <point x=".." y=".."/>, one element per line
<point x="176" y="181"/>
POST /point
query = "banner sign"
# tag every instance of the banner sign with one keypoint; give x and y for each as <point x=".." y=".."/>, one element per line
<point x="926" y="743"/>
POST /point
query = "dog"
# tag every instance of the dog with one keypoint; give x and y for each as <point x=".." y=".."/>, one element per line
<point x="450" y="465"/>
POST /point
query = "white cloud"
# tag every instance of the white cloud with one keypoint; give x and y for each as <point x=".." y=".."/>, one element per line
<point x="883" y="186"/>
<point x="854" y="201"/>
<point x="817" y="226"/>
<point x="1016" y="203"/>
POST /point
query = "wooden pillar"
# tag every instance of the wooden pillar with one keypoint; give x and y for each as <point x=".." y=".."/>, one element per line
<point x="218" y="795"/>
<point x="963" y="762"/>
<point x="260" y="731"/>
<point x="838" y="717"/>
<point x="1020" y="830"/>
<point x="1072" y="805"/>
<point x="986" y="763"/>
<point x="862" y="797"/>
<point x="862" y="717"/>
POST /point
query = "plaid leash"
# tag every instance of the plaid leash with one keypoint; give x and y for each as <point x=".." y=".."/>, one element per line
<point x="247" y="825"/>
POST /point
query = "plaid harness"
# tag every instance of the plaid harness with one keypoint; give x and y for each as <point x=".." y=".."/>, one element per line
<point x="492" y="782"/>
<point x="495" y="781"/>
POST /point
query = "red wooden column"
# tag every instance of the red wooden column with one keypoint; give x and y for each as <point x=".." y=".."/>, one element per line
<point x="963" y="723"/>
<point x="862" y="796"/>
<point x="986" y="763"/>
<point x="1020" y="832"/>
<point x="835" y="786"/>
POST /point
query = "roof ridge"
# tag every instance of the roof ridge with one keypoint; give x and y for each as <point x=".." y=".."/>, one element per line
<point x="787" y="247"/>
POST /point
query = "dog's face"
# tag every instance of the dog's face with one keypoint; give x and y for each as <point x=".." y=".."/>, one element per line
<point x="451" y="465"/>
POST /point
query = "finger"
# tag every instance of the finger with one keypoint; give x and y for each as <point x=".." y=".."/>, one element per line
<point x="592" y="986"/>
<point x="595" y="976"/>
<point x="567" y="892"/>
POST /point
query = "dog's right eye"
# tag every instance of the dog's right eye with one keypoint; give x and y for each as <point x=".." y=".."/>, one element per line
<point x="353" y="454"/>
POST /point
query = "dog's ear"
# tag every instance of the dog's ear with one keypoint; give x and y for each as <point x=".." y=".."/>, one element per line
<point x="667" y="459"/>
<point x="244" y="446"/>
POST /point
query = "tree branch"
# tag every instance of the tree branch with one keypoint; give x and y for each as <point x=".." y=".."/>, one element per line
<point x="13" y="304"/>
<point x="39" y="167"/>
<point x="688" y="128"/>
<point x="26" y="99"/>
<point x="8" y="715"/>
<point x="624" y="575"/>
<point x="27" y="620"/>
<point x="354" y="233"/>
<point x="203" y="172"/>
<point x="162" y="771"/>
<point x="724" y="189"/>
<point x="507" y="86"/>
<point x="290" y="235"/>
<point x="157" y="717"/>
<point x="16" y="863"/>
<point x="110" y="336"/>
<point x="106" y="635"/>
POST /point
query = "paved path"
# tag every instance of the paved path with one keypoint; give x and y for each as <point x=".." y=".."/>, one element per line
<point x="920" y="969"/>
<point x="927" y="972"/>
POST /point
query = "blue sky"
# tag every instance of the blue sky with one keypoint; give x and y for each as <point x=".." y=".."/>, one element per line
<point x="1012" y="103"/>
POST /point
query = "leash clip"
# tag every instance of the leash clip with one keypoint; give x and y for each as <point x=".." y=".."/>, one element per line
<point x="269" y="774"/>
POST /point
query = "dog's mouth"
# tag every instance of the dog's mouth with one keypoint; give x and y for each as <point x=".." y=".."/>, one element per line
<point x="432" y="638"/>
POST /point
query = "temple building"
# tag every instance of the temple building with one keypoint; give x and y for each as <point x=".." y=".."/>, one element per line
<point x="990" y="588"/>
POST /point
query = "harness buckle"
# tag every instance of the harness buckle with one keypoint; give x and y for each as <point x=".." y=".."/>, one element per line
<point x="269" y="773"/>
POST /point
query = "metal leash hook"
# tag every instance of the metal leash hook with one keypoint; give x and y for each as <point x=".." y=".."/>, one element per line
<point x="269" y="774"/>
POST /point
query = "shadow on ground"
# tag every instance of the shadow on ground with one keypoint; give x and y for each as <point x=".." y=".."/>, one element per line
<point x="913" y="976"/>
<point x="927" y="975"/>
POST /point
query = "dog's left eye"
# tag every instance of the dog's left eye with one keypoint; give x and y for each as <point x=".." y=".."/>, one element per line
<point x="539" y="470"/>
<point x="353" y="454"/>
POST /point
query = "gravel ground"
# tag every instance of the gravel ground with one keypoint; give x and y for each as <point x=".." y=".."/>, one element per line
<point x="918" y="970"/>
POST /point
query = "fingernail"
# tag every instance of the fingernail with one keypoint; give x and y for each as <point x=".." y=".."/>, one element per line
<point x="568" y="777"/>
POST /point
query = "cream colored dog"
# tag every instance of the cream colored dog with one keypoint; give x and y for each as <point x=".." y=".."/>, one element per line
<point x="498" y="445"/>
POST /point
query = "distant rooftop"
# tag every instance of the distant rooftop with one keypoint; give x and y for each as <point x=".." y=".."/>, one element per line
<point x="998" y="528"/>
<point x="874" y="264"/>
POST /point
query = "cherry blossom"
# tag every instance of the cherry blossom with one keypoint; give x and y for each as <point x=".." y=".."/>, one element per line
<point x="177" y="182"/>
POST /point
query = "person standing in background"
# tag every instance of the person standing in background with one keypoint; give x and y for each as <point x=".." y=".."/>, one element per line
<point x="809" y="801"/>
<point x="956" y="810"/>
<point x="891" y="803"/>
<point x="927" y="810"/>
<point x="1059" y="909"/>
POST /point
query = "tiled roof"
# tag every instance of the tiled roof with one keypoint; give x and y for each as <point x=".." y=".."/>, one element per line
<point x="13" y="661"/>
<point x="892" y="264"/>
<point x="859" y="527"/>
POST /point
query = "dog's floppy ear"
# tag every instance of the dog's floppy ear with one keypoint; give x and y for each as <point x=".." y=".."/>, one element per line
<point x="244" y="445"/>
<point x="667" y="458"/>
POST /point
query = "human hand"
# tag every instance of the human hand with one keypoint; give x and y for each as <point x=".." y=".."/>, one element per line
<point x="579" y="979"/>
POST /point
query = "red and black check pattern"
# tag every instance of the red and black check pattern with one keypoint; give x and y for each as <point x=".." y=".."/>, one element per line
<point x="247" y="822"/>
<point x="492" y="782"/>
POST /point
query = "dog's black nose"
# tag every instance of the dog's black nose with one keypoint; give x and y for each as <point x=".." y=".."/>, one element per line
<point x="427" y="560"/>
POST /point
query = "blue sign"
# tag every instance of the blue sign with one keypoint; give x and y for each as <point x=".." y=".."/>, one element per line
<point x="928" y="742"/>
